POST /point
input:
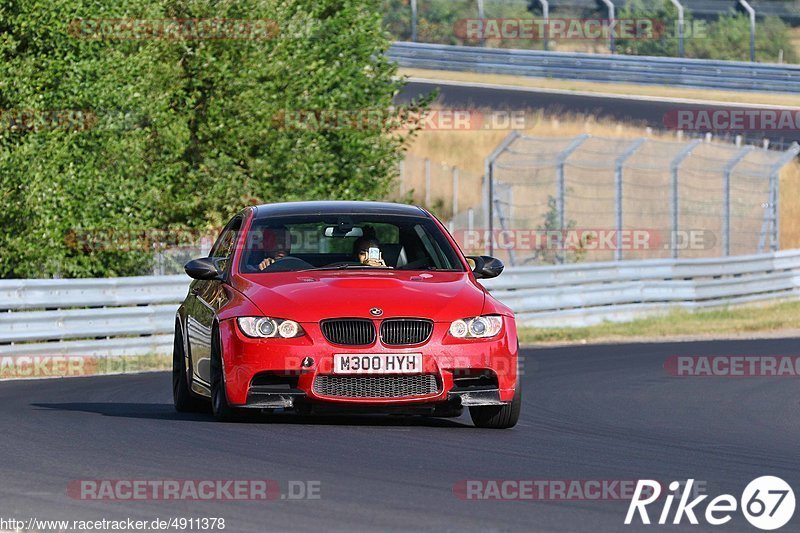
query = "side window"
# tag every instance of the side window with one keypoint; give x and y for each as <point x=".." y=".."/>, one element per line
<point x="223" y="248"/>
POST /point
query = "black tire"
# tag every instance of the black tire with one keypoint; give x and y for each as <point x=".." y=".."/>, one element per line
<point x="220" y="407"/>
<point x="182" y="396"/>
<point x="498" y="416"/>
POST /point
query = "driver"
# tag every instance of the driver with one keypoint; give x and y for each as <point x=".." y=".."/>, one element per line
<point x="277" y="243"/>
<point x="361" y="251"/>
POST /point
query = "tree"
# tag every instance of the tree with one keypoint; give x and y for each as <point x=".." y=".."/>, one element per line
<point x="183" y="131"/>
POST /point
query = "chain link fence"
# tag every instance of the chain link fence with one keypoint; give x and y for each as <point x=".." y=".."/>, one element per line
<point x="584" y="198"/>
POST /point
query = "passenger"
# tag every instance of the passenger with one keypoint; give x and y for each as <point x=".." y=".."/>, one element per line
<point x="361" y="251"/>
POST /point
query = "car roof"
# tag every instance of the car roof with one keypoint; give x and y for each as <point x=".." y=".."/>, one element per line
<point x="329" y="207"/>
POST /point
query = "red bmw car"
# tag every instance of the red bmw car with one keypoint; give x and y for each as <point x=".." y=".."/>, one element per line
<point x="342" y="307"/>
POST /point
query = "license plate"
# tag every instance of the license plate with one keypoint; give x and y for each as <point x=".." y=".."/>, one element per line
<point x="399" y="363"/>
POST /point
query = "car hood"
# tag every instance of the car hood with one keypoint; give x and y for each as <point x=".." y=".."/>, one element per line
<point x="317" y="295"/>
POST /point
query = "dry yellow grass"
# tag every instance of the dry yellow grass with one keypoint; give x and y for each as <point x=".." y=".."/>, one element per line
<point x="611" y="88"/>
<point x="467" y="150"/>
<point x="790" y="206"/>
<point x="794" y="36"/>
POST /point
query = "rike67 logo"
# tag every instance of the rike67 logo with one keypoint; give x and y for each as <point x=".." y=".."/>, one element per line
<point x="767" y="503"/>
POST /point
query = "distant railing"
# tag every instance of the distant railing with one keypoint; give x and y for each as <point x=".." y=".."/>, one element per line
<point x="700" y="73"/>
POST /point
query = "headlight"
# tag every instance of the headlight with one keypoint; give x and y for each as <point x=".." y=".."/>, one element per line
<point x="266" y="327"/>
<point x="479" y="327"/>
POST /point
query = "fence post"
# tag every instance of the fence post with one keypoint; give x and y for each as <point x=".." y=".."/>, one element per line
<point x="679" y="7"/>
<point x="427" y="183"/>
<point x="611" y="18"/>
<point x="488" y="184"/>
<point x="561" y="190"/>
<point x="402" y="179"/>
<point x="726" y="199"/>
<point x="674" y="167"/>
<point x="483" y="22"/>
<point x="546" y="17"/>
<point x="618" y="186"/>
<point x="455" y="192"/>
<point x="752" y="13"/>
<point x="774" y="186"/>
<point x="413" y="21"/>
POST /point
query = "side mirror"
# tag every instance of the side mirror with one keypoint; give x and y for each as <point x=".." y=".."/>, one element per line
<point x="203" y="268"/>
<point x="486" y="266"/>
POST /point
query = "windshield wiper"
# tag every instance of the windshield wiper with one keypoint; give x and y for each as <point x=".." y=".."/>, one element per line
<point x="336" y="267"/>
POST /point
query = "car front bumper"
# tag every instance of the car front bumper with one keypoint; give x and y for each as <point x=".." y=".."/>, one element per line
<point x="302" y="360"/>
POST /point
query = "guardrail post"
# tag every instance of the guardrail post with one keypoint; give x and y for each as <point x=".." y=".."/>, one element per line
<point x="674" y="167"/>
<point x="752" y="13"/>
<point x="561" y="190"/>
<point x="726" y="199"/>
<point x="488" y="185"/>
<point x="413" y="21"/>
<point x="618" y="186"/>
<point x="611" y="18"/>
<point x="679" y="7"/>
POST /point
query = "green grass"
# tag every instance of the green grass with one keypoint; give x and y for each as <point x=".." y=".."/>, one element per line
<point x="740" y="320"/>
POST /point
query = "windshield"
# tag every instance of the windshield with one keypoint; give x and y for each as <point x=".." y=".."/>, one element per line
<point x="331" y="242"/>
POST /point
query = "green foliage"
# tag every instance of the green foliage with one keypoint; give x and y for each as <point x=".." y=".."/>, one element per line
<point x="185" y="131"/>
<point x="727" y="38"/>
<point x="551" y="222"/>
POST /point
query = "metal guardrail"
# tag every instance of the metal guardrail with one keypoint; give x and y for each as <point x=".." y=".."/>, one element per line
<point x="585" y="294"/>
<point x="97" y="317"/>
<point x="128" y="316"/>
<point x="700" y="73"/>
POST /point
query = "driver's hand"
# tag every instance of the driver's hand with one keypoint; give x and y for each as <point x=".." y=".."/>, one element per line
<point x="265" y="263"/>
<point x="376" y="262"/>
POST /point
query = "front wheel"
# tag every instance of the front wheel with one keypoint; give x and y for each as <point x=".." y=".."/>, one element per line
<point x="183" y="398"/>
<point x="498" y="416"/>
<point x="219" y="398"/>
